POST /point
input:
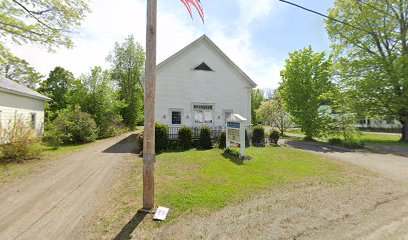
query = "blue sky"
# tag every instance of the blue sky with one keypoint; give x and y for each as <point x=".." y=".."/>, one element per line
<point x="258" y="35"/>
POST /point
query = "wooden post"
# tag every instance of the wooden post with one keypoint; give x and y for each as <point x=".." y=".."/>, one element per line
<point x="149" y="155"/>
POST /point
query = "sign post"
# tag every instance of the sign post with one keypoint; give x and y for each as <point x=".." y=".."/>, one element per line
<point x="235" y="132"/>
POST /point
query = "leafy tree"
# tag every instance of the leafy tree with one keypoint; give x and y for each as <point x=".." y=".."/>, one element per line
<point x="257" y="97"/>
<point x="19" y="70"/>
<point x="273" y="113"/>
<point x="306" y="82"/>
<point x="127" y="64"/>
<point x="56" y="86"/>
<point x="372" y="55"/>
<point x="95" y="94"/>
<point x="43" y="22"/>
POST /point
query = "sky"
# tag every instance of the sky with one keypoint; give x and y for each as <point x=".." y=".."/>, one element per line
<point x="257" y="35"/>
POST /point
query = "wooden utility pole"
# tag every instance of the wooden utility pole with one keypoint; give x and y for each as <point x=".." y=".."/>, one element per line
<point x="149" y="155"/>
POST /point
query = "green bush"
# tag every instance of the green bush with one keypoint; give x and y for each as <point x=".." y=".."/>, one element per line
<point x="246" y="139"/>
<point x="223" y="139"/>
<point x="274" y="137"/>
<point x="185" y="137"/>
<point x="205" y="141"/>
<point x="20" y="142"/>
<point x="111" y="128"/>
<point x="258" y="136"/>
<point x="335" y="141"/>
<point x="72" y="127"/>
<point x="161" y="137"/>
<point x="139" y="142"/>
<point x="349" y="143"/>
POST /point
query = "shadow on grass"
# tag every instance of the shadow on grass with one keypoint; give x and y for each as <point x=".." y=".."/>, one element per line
<point x="316" y="146"/>
<point x="126" y="145"/>
<point x="130" y="227"/>
<point x="233" y="159"/>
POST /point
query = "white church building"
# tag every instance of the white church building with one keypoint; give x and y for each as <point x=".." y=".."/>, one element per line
<point x="200" y="85"/>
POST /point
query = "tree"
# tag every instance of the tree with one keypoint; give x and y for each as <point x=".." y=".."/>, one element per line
<point x="43" y="22"/>
<point x="372" y="55"/>
<point x="306" y="81"/>
<point x="19" y="70"/>
<point x="273" y="112"/>
<point x="127" y="64"/>
<point x="95" y="94"/>
<point x="56" y="86"/>
<point x="257" y="97"/>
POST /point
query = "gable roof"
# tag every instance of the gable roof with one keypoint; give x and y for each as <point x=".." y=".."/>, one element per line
<point x="206" y="39"/>
<point x="7" y="85"/>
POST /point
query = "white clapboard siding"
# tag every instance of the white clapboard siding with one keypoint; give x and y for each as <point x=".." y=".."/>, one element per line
<point x="12" y="105"/>
<point x="179" y="86"/>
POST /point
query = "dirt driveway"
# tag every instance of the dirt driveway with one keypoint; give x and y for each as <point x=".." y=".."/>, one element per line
<point x="51" y="204"/>
<point x="390" y="165"/>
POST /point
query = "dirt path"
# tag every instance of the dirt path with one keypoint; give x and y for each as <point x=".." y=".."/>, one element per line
<point x="51" y="204"/>
<point x="390" y="165"/>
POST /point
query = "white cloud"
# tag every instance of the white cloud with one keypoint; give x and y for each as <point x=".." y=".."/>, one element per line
<point x="111" y="21"/>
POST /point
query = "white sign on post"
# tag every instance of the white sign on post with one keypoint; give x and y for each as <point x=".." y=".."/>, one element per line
<point x="235" y="132"/>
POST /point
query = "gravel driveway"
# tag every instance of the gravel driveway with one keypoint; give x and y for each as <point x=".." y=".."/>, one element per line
<point x="51" y="204"/>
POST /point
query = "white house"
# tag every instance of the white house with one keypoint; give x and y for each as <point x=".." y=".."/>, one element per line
<point x="200" y="85"/>
<point x="18" y="101"/>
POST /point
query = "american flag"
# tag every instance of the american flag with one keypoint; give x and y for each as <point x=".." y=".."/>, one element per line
<point x="197" y="5"/>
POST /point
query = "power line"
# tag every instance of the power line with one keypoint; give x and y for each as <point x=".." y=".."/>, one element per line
<point x="325" y="16"/>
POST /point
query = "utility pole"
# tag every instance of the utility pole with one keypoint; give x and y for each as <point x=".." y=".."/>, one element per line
<point x="149" y="154"/>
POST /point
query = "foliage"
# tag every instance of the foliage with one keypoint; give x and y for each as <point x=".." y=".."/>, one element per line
<point x="372" y="59"/>
<point x="161" y="137"/>
<point x="185" y="137"/>
<point x="247" y="142"/>
<point x="56" y="87"/>
<point x="222" y="140"/>
<point x="95" y="94"/>
<point x="306" y="81"/>
<point x="127" y="64"/>
<point x="274" y="137"/>
<point x="43" y="22"/>
<point x="257" y="97"/>
<point x="233" y="152"/>
<point x="19" y="70"/>
<point x="205" y="141"/>
<point x="139" y="142"/>
<point x="350" y="143"/>
<point x="273" y="113"/>
<point x="20" y="141"/>
<point x="258" y="136"/>
<point x="72" y="127"/>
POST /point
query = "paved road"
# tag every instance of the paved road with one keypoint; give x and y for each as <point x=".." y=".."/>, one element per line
<point x="51" y="204"/>
<point x="390" y="165"/>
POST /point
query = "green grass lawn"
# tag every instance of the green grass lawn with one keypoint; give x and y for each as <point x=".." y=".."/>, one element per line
<point x="387" y="139"/>
<point x="205" y="181"/>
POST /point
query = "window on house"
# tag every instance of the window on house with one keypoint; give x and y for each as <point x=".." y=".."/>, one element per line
<point x="362" y="121"/>
<point x="203" y="113"/>
<point x="33" y="120"/>
<point x="175" y="117"/>
<point x="203" y="67"/>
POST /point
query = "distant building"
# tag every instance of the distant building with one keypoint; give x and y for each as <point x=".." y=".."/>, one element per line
<point x="18" y="101"/>
<point x="200" y="85"/>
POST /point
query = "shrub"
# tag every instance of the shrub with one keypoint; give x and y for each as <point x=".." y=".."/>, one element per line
<point x="139" y="142"/>
<point x="274" y="137"/>
<point x="72" y="127"/>
<point x="205" y="138"/>
<point x="258" y="136"/>
<point x="111" y="128"/>
<point x="161" y="137"/>
<point x="223" y="139"/>
<point x="246" y="139"/>
<point x="20" y="141"/>
<point x="349" y="143"/>
<point x="185" y="137"/>
<point x="335" y="141"/>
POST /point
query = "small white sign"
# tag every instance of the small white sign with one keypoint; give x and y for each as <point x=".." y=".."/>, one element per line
<point x="161" y="213"/>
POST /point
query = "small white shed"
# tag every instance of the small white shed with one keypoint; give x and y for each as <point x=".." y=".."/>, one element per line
<point x="200" y="85"/>
<point x="18" y="101"/>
